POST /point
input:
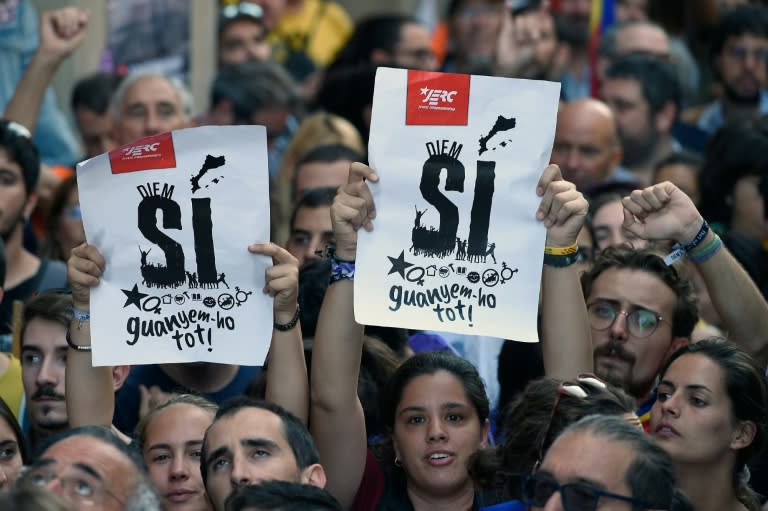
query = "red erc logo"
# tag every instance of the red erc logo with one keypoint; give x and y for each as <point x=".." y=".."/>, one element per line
<point x="155" y="152"/>
<point x="437" y="99"/>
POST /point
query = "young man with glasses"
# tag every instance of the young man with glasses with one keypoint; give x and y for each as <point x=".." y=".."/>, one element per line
<point x="641" y="308"/>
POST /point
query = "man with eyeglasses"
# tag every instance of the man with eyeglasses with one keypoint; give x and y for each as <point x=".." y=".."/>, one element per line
<point x="243" y="34"/>
<point x="602" y="462"/>
<point x="93" y="470"/>
<point x="641" y="309"/>
<point x="739" y="58"/>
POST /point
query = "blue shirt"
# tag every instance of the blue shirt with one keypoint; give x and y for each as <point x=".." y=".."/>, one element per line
<point x="712" y="117"/>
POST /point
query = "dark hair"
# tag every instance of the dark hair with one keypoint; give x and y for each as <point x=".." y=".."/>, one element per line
<point x="59" y="200"/>
<point x="346" y="93"/>
<point x="379" y="32"/>
<point x="94" y="92"/>
<point x="737" y="150"/>
<point x="52" y="305"/>
<point x="3" y="262"/>
<point x="685" y="314"/>
<point x="329" y="153"/>
<point x="525" y="419"/>
<point x="281" y="496"/>
<point x="10" y="419"/>
<point x="313" y="198"/>
<point x="19" y="148"/>
<point x="455" y="5"/>
<point x="313" y="282"/>
<point x="377" y="365"/>
<point x="748" y="393"/>
<point x="255" y="86"/>
<point x="295" y="432"/>
<point x="650" y="477"/>
<point x="657" y="78"/>
<point x="742" y="20"/>
<point x="395" y="338"/>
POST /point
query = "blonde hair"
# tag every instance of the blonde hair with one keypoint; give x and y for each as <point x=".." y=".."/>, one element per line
<point x="140" y="433"/>
<point x="320" y="128"/>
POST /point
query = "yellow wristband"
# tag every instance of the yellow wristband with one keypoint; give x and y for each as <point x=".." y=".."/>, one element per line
<point x="561" y="251"/>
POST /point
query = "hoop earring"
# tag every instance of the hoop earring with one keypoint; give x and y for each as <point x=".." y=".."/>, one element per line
<point x="398" y="463"/>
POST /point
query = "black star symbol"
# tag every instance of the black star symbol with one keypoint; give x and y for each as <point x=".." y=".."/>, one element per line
<point x="398" y="264"/>
<point x="134" y="297"/>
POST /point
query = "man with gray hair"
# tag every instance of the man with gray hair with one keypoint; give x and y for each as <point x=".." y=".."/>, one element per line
<point x="93" y="469"/>
<point x="149" y="103"/>
<point x="604" y="458"/>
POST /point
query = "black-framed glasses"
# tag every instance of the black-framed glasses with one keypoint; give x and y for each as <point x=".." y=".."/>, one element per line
<point x="537" y="489"/>
<point x="640" y="322"/>
<point x="575" y="389"/>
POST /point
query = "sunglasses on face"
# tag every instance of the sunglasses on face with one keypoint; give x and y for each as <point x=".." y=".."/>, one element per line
<point x="537" y="489"/>
<point x="242" y="9"/>
<point x="575" y="389"/>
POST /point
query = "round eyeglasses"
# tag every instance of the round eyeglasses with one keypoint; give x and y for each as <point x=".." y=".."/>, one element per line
<point x="640" y="322"/>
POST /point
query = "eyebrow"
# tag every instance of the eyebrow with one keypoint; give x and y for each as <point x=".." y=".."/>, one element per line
<point x="167" y="446"/>
<point x="445" y="406"/>
<point x="8" y="443"/>
<point x="581" y="480"/>
<point x="217" y="453"/>
<point x="88" y="470"/>
<point x="259" y="442"/>
<point x="692" y="386"/>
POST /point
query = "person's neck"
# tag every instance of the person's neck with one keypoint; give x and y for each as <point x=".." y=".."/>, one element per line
<point x="460" y="500"/>
<point x="202" y="376"/>
<point x="578" y="61"/>
<point x="19" y="263"/>
<point x="709" y="488"/>
<point x="733" y="111"/>
<point x="644" y="169"/>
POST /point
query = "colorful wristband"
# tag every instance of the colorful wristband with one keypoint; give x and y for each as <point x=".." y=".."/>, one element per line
<point x="561" y="251"/>
<point x="341" y="270"/>
<point x="560" y="261"/>
<point x="706" y="251"/>
<point x="698" y="238"/>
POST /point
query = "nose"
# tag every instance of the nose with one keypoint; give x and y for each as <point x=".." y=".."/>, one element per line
<point x="554" y="503"/>
<point x="313" y="246"/>
<point x="619" y="327"/>
<point x="55" y="486"/>
<point x="572" y="160"/>
<point x="4" y="482"/>
<point x="670" y="406"/>
<point x="239" y="474"/>
<point x="179" y="469"/>
<point x="48" y="373"/>
<point x="153" y="123"/>
<point x="436" y="431"/>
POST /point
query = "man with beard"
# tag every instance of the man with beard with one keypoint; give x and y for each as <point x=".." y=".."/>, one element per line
<point x="642" y="309"/>
<point x="739" y="55"/>
<point x="644" y="95"/>
<point x="43" y="363"/>
<point x="26" y="273"/>
<point x="572" y="19"/>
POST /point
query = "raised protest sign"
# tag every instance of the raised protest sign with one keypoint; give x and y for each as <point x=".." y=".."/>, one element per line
<point x="173" y="215"/>
<point x="455" y="244"/>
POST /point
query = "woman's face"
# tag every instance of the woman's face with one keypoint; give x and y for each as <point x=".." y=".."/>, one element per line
<point x="10" y="456"/>
<point x="174" y="439"/>
<point x="692" y="417"/>
<point x="71" y="232"/>
<point x="436" y="431"/>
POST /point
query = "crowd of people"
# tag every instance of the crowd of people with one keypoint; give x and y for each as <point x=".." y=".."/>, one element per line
<point x="648" y="387"/>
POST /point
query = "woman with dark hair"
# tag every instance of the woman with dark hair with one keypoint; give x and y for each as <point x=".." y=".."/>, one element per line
<point x="434" y="407"/>
<point x="63" y="223"/>
<point x="533" y="421"/>
<point x="711" y="416"/>
<point x="13" y="450"/>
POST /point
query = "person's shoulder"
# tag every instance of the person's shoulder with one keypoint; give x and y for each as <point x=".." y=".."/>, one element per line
<point x="53" y="275"/>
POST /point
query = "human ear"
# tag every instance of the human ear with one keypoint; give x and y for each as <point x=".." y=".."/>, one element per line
<point x="743" y="435"/>
<point x="314" y="475"/>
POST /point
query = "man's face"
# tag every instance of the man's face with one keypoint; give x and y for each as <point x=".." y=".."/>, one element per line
<point x="14" y="203"/>
<point x="319" y="174"/>
<point x="96" y="131"/>
<point x="311" y="231"/>
<point x="414" y="49"/>
<point x="574" y="21"/>
<point x="585" y="146"/>
<point x="87" y="472"/>
<point x="43" y="366"/>
<point x="634" y="120"/>
<point x="580" y="457"/>
<point x="742" y="67"/>
<point x="621" y="358"/>
<point x="243" y="40"/>
<point x="631" y="10"/>
<point x="608" y="226"/>
<point x="272" y="11"/>
<point x="150" y="106"/>
<point x="475" y="29"/>
<point x="245" y="448"/>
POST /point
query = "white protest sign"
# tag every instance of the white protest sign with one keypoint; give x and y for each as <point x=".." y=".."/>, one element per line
<point x="173" y="215"/>
<point x="455" y="245"/>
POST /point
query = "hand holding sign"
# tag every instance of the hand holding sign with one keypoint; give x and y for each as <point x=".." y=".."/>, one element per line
<point x="353" y="208"/>
<point x="563" y="209"/>
<point x="282" y="280"/>
<point x="84" y="270"/>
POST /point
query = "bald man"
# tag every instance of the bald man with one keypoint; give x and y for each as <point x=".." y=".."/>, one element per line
<point x="587" y="146"/>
